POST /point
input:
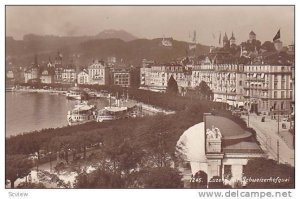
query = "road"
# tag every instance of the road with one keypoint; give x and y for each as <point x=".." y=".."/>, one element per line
<point x="267" y="135"/>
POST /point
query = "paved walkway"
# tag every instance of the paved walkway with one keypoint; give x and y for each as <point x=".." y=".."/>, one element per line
<point x="267" y="135"/>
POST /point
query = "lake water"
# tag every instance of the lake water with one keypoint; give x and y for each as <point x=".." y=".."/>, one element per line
<point x="27" y="112"/>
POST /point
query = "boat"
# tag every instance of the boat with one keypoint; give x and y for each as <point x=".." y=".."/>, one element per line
<point x="74" y="93"/>
<point x="81" y="113"/>
<point x="119" y="110"/>
<point x="92" y="94"/>
<point x="111" y="113"/>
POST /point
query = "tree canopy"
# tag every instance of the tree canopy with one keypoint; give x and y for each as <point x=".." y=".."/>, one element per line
<point x="261" y="168"/>
<point x="204" y="91"/>
<point x="16" y="166"/>
<point x="172" y="88"/>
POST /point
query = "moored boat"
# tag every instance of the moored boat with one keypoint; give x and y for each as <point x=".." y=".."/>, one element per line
<point x="82" y="113"/>
<point x="111" y="113"/>
<point x="74" y="93"/>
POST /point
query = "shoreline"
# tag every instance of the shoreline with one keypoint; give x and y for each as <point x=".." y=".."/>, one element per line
<point x="146" y="107"/>
<point x="31" y="90"/>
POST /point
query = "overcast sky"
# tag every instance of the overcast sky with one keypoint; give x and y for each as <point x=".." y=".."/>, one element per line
<point x="154" y="21"/>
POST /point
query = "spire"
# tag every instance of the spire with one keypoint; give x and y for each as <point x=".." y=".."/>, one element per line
<point x="252" y="33"/>
<point x="225" y="38"/>
<point x="232" y="36"/>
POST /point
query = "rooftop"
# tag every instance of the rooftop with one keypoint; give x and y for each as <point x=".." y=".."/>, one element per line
<point x="243" y="147"/>
<point x="229" y="129"/>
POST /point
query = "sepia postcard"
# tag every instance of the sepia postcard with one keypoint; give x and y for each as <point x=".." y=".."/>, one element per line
<point x="150" y="97"/>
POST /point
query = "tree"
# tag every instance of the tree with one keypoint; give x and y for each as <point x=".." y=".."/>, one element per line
<point x="172" y="88"/>
<point x="16" y="166"/>
<point x="161" y="177"/>
<point x="261" y="168"/>
<point x="268" y="46"/>
<point x="35" y="147"/>
<point x="103" y="177"/>
<point x="204" y="90"/>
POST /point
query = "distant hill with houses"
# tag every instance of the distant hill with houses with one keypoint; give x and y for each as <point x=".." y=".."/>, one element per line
<point x="84" y="49"/>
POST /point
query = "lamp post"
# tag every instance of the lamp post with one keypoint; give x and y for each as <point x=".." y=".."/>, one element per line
<point x="249" y="104"/>
<point x="226" y="96"/>
<point x="278" y="123"/>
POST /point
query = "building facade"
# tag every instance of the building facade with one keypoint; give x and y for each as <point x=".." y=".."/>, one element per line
<point x="261" y="88"/>
<point x="269" y="88"/>
<point x="47" y="76"/>
<point x="156" y="77"/>
<point x="121" y="77"/>
<point x="83" y="77"/>
<point x="31" y="73"/>
<point x="98" y="73"/>
<point x="68" y="75"/>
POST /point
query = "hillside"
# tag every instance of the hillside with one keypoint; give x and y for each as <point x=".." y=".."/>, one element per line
<point x="86" y="49"/>
<point x="119" y="34"/>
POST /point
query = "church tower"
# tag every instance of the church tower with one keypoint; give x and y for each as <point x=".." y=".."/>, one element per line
<point x="225" y="41"/>
<point x="252" y="36"/>
<point x="58" y="60"/>
<point x="232" y="39"/>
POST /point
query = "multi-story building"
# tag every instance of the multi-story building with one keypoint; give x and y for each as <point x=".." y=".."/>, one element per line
<point x="68" y="75"/>
<point x="83" y="77"/>
<point x="31" y="73"/>
<point x="98" y="73"/>
<point x="47" y="76"/>
<point x="145" y="73"/>
<point x="261" y="88"/>
<point x="269" y="88"/>
<point x="145" y="76"/>
<point x="203" y="72"/>
<point x="225" y="83"/>
<point x="58" y="74"/>
<point x="121" y="77"/>
<point x="156" y="77"/>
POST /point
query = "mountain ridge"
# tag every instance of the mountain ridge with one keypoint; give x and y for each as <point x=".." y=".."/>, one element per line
<point x="87" y="48"/>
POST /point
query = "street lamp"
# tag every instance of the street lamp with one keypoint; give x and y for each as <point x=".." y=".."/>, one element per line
<point x="249" y="106"/>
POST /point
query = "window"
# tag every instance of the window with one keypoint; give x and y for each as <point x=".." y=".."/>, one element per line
<point x="275" y="85"/>
<point x="275" y="94"/>
<point x="282" y="94"/>
<point x="282" y="85"/>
